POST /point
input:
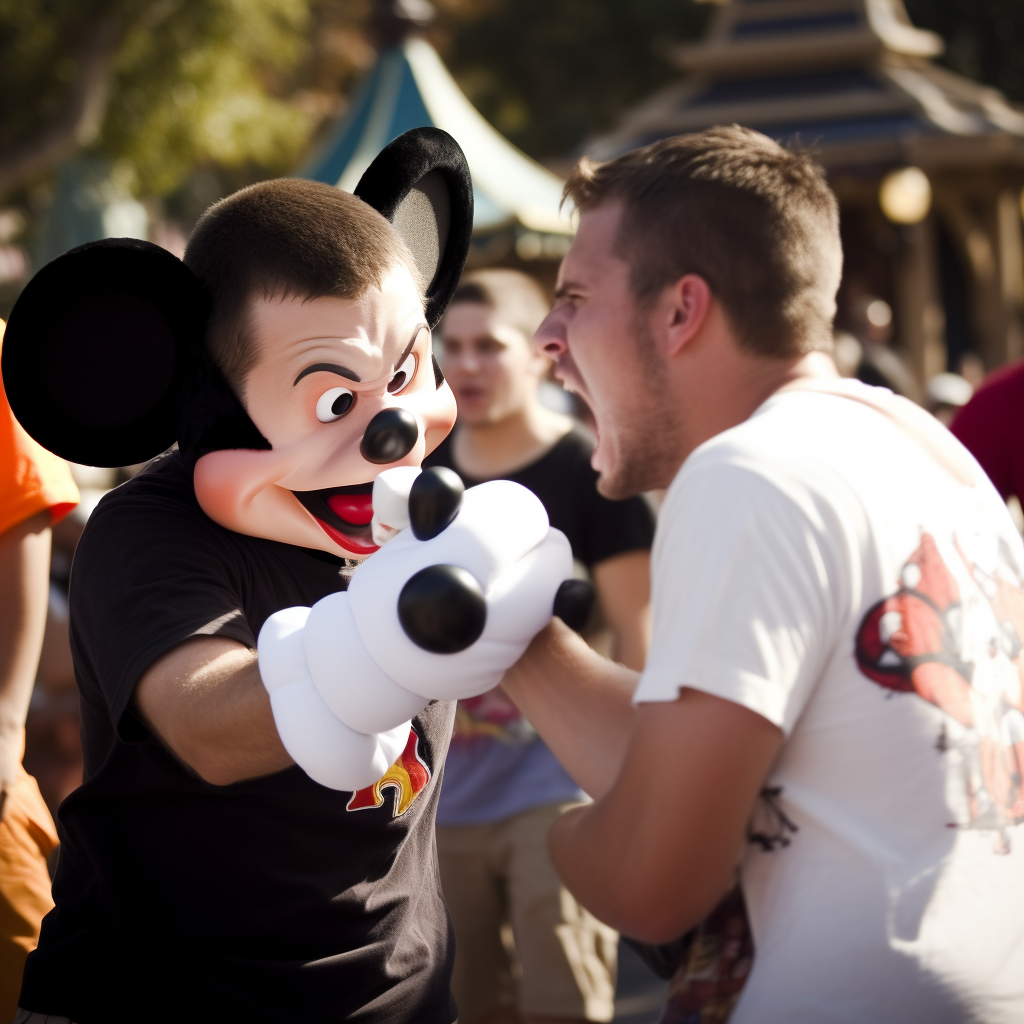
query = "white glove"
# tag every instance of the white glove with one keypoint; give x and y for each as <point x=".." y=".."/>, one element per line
<point x="423" y="619"/>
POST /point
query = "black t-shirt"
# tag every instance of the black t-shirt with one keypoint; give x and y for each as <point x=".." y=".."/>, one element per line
<point x="273" y="899"/>
<point x="566" y="484"/>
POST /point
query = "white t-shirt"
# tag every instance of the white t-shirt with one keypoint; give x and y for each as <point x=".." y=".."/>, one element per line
<point x="816" y="566"/>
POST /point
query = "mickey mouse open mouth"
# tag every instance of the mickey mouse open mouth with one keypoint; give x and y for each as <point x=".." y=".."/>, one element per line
<point x="344" y="514"/>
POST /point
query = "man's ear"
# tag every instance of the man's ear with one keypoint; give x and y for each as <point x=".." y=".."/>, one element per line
<point x="421" y="183"/>
<point x="96" y="347"/>
<point x="684" y="310"/>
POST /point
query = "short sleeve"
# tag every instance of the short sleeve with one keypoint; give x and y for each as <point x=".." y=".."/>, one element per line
<point x="146" y="578"/>
<point x="31" y="478"/>
<point x="743" y="578"/>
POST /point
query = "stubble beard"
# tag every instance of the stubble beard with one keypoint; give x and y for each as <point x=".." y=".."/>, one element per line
<point x="644" y="449"/>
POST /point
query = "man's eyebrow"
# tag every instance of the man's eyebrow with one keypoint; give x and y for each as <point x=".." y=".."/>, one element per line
<point x="341" y="371"/>
<point x="568" y="286"/>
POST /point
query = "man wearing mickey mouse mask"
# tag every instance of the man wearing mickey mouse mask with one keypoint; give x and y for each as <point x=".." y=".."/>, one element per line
<point x="254" y="836"/>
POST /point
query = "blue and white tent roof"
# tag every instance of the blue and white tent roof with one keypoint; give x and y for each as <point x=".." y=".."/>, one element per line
<point x="850" y="77"/>
<point x="409" y="87"/>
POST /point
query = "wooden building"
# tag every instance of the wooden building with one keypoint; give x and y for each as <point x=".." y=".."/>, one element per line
<point x="856" y="82"/>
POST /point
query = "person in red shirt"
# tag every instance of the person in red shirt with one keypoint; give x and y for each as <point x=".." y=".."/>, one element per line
<point x="991" y="427"/>
<point x="36" y="492"/>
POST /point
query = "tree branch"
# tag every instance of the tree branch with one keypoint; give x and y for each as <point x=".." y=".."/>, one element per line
<point x="78" y="123"/>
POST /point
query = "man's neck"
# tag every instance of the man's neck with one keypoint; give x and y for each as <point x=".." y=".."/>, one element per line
<point x="491" y="449"/>
<point x="744" y="387"/>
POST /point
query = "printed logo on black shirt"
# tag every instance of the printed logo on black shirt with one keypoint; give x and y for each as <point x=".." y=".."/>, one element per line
<point x="407" y="777"/>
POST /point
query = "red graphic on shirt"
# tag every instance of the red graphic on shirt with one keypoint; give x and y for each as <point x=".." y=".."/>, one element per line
<point x="408" y="777"/>
<point x="962" y="650"/>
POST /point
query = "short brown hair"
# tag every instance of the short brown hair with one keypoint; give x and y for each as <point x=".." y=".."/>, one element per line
<point x="758" y="222"/>
<point x="285" y="237"/>
<point x="517" y="298"/>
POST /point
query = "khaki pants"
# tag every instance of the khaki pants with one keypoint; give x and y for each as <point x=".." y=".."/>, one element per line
<point x="520" y="937"/>
<point x="27" y="838"/>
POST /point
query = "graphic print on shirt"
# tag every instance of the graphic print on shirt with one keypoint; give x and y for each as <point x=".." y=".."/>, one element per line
<point x="770" y="827"/>
<point x="407" y="778"/>
<point x="491" y="716"/>
<point x="960" y="645"/>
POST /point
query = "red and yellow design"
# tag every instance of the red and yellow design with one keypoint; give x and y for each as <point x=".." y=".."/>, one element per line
<point x="960" y="646"/>
<point x="408" y="777"/>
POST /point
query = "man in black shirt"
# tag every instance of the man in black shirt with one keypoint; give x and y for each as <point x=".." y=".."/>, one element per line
<point x="252" y="889"/>
<point x="204" y="874"/>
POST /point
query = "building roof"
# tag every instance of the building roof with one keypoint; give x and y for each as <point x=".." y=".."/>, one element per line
<point x="853" y="78"/>
<point x="409" y="87"/>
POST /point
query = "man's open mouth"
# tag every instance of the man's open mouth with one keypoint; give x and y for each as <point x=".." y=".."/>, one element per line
<point x="344" y="514"/>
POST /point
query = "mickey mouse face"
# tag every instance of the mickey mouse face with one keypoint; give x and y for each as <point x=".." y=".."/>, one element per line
<point x="104" y="363"/>
<point x="343" y="389"/>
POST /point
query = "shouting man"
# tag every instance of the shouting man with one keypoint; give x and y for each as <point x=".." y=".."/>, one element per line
<point x="811" y="714"/>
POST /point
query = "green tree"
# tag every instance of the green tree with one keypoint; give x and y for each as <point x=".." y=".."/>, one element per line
<point x="155" y="85"/>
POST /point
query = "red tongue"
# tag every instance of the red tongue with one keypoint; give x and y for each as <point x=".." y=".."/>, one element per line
<point x="353" y="508"/>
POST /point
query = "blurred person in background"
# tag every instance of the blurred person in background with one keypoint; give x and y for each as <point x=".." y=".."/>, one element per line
<point x="53" y="742"/>
<point x="880" y="364"/>
<point x="946" y="394"/>
<point x="503" y="788"/>
<point x="991" y="427"/>
<point x="36" y="492"/>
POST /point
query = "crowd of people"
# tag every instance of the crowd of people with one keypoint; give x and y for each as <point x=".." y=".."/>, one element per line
<point x="785" y="758"/>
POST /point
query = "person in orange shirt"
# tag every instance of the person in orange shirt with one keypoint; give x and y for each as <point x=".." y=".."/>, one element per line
<point x="36" y="492"/>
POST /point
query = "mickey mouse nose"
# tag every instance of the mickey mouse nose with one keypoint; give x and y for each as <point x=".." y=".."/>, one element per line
<point x="389" y="436"/>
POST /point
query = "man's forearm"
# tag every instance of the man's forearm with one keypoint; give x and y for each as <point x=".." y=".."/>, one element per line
<point x="654" y="854"/>
<point x="24" y="586"/>
<point x="207" y="703"/>
<point x="578" y="701"/>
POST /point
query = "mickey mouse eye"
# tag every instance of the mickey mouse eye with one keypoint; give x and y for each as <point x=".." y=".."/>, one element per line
<point x="403" y="375"/>
<point x="333" y="404"/>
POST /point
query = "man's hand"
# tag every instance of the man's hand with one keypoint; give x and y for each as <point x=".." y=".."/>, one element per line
<point x="655" y="854"/>
<point x="206" y="702"/>
<point x="24" y="587"/>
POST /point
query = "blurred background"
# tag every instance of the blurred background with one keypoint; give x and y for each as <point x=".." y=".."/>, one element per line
<point x="129" y="117"/>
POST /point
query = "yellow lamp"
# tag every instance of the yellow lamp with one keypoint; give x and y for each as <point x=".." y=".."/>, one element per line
<point x="905" y="195"/>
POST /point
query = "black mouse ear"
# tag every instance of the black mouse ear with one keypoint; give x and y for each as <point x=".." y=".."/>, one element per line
<point x="95" y="350"/>
<point x="421" y="183"/>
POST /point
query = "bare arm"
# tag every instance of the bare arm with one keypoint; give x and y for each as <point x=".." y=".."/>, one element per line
<point x="24" y="588"/>
<point x="578" y="701"/>
<point x="654" y="855"/>
<point x="206" y="702"/>
<point x="624" y="589"/>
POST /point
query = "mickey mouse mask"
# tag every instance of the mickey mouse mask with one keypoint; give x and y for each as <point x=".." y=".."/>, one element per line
<point x="105" y="363"/>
